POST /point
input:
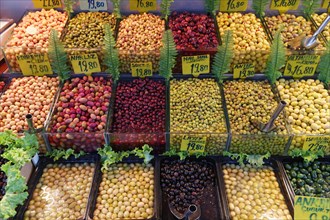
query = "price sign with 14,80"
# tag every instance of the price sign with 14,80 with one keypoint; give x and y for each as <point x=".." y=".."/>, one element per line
<point x="298" y="66"/>
<point x="93" y="5"/>
<point x="196" y="65"/>
<point x="317" y="143"/>
<point x="241" y="71"/>
<point x="47" y="4"/>
<point x="284" y="5"/>
<point x="233" y="5"/>
<point x="311" y="208"/>
<point x="85" y="63"/>
<point x="193" y="144"/>
<point x="143" y="5"/>
<point x="141" y="69"/>
<point x="34" y="64"/>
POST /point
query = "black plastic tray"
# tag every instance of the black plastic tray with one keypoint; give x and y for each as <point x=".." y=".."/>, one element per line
<point x="288" y="160"/>
<point x="278" y="174"/>
<point x="43" y="162"/>
<point x="92" y="202"/>
<point x="215" y="210"/>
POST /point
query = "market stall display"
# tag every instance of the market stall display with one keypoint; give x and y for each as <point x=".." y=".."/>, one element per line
<point x="254" y="100"/>
<point x="254" y="193"/>
<point x="75" y="39"/>
<point x="126" y="191"/>
<point x="139" y="40"/>
<point x="79" y="117"/>
<point x="251" y="44"/>
<point x="32" y="33"/>
<point x="139" y="114"/>
<point x="196" y="110"/>
<point x="308" y="106"/>
<point x="194" y="34"/>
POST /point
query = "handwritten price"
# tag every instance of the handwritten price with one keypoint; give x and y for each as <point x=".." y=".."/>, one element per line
<point x="300" y="70"/>
<point x="92" y="4"/>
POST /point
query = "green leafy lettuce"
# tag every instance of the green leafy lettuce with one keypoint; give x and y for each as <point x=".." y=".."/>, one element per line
<point x="307" y="155"/>
<point x="144" y="153"/>
<point x="56" y="154"/>
<point x="241" y="158"/>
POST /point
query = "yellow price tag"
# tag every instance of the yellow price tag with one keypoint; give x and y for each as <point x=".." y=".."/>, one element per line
<point x="298" y="66"/>
<point x="193" y="144"/>
<point x="196" y="65"/>
<point x="284" y="5"/>
<point x="326" y="4"/>
<point x="314" y="143"/>
<point x="311" y="208"/>
<point x="141" y="69"/>
<point x="233" y="5"/>
<point x="143" y="5"/>
<point x="47" y="4"/>
<point x="85" y="63"/>
<point x="241" y="71"/>
<point x="34" y="64"/>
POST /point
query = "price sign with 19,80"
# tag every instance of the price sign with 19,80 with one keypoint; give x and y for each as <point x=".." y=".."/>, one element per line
<point x="196" y="65"/>
<point x="47" y="4"/>
<point x="141" y="69"/>
<point x="193" y="144"/>
<point x="34" y="64"/>
<point x="86" y="63"/>
<point x="143" y="5"/>
<point x="93" y="5"/>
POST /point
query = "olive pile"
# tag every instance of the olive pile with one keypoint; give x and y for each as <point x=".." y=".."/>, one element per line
<point x="309" y="179"/>
<point x="62" y="192"/>
<point x="3" y="178"/>
<point x="196" y="107"/>
<point x="183" y="182"/>
<point x="248" y="100"/>
<point x="254" y="193"/>
<point x="126" y="192"/>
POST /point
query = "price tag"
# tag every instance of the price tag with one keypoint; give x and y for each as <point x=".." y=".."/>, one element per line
<point x="143" y="5"/>
<point x="93" y="5"/>
<point x="233" y="5"/>
<point x="86" y="63"/>
<point x="311" y="208"/>
<point x="326" y="4"/>
<point x="284" y="5"/>
<point x="34" y="64"/>
<point x="141" y="69"/>
<point x="241" y="71"/>
<point x="317" y="143"/>
<point x="196" y="65"/>
<point x="298" y="66"/>
<point x="47" y="4"/>
<point x="193" y="144"/>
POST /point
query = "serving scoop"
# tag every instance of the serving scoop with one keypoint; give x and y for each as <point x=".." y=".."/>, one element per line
<point x="311" y="42"/>
<point x="269" y="126"/>
<point x="192" y="213"/>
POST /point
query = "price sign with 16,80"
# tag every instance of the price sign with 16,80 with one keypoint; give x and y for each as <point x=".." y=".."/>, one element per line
<point x="284" y="5"/>
<point x="47" y="4"/>
<point x="93" y="5"/>
<point x="85" y="63"/>
<point x="141" y="69"/>
<point x="241" y="71"/>
<point x="298" y="66"/>
<point x="142" y="5"/>
<point x="196" y="65"/>
<point x="315" y="143"/>
<point x="233" y="5"/>
<point x="34" y="64"/>
<point x="311" y="208"/>
<point x="193" y="144"/>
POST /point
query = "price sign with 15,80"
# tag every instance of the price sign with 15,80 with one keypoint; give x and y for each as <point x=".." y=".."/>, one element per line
<point x="34" y="64"/>
<point x="93" y="5"/>
<point x="298" y="66"/>
<point x="233" y="5"/>
<point x="141" y="69"/>
<point x="143" y="5"/>
<point x="85" y="63"/>
<point x="47" y="4"/>
<point x="242" y="71"/>
<point x="196" y="65"/>
<point x="311" y="208"/>
<point x="315" y="143"/>
<point x="193" y="144"/>
<point x="284" y="5"/>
